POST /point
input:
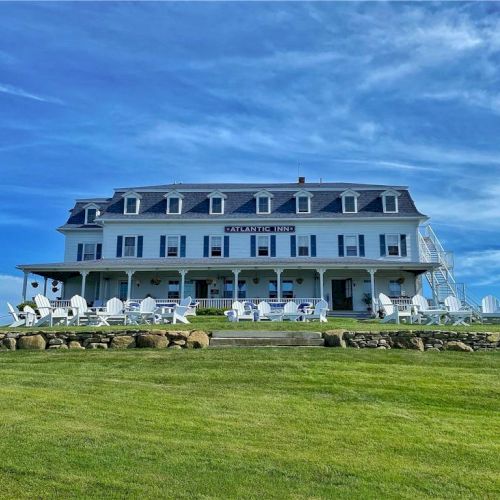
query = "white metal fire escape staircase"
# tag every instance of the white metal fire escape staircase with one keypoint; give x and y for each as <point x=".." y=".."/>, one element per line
<point x="442" y="280"/>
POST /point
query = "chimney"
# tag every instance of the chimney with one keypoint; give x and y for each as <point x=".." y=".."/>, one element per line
<point x="302" y="180"/>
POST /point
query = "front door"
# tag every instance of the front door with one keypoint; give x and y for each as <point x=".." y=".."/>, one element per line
<point x="201" y="289"/>
<point x="342" y="295"/>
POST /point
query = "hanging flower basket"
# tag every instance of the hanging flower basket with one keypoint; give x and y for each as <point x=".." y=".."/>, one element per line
<point x="55" y="283"/>
<point x="34" y="284"/>
<point x="155" y="281"/>
<point x="54" y="289"/>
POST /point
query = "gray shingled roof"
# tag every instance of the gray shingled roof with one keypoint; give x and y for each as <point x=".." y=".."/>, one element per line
<point x="240" y="205"/>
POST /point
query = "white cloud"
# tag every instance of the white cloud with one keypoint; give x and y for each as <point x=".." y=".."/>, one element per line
<point x="10" y="291"/>
<point x="481" y="268"/>
<point x="16" y="91"/>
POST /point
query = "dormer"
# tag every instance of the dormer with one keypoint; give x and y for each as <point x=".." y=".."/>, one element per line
<point x="174" y="202"/>
<point x="216" y="202"/>
<point x="263" y="201"/>
<point x="91" y="213"/>
<point x="349" y="201"/>
<point x="303" y="201"/>
<point x="390" y="201"/>
<point x="131" y="202"/>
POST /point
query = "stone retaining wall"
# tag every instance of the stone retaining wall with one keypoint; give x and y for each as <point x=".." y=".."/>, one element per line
<point x="103" y="340"/>
<point x="419" y="340"/>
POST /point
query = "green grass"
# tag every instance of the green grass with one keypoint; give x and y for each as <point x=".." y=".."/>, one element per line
<point x="249" y="423"/>
<point x="211" y="323"/>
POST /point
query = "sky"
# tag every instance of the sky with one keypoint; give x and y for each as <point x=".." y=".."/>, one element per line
<point x="95" y="96"/>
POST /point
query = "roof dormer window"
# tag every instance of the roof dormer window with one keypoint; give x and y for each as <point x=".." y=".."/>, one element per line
<point x="390" y="201"/>
<point x="174" y="202"/>
<point x="349" y="202"/>
<point x="303" y="202"/>
<point x="263" y="202"/>
<point x="216" y="203"/>
<point x="131" y="203"/>
<point x="91" y="213"/>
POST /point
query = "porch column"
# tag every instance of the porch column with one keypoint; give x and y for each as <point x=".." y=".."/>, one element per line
<point x="236" y="273"/>
<point x="45" y="286"/>
<point x="278" y="272"/>
<point x="183" y="273"/>
<point x="321" y="273"/>
<point x="84" y="282"/>
<point x="130" y="273"/>
<point x="25" y="285"/>
<point x="372" y="286"/>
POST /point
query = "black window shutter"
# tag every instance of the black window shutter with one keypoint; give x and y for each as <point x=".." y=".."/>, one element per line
<point x="382" y="245"/>
<point x="79" y="253"/>
<point x="183" y="246"/>
<point x="293" y="246"/>
<point x="140" y="241"/>
<point x="119" y="244"/>
<point x="98" y="251"/>
<point x="313" y="245"/>
<point x="162" y="245"/>
<point x="404" y="251"/>
<point x="273" y="245"/>
<point x="341" y="245"/>
<point x="361" y="241"/>
<point x="206" y="242"/>
<point x="226" y="246"/>
<point x="253" y="244"/>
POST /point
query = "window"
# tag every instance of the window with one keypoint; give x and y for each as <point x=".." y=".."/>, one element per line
<point x="173" y="290"/>
<point x="216" y="205"/>
<point x="392" y="244"/>
<point x="173" y="205"/>
<point x="89" y="251"/>
<point x="394" y="288"/>
<point x="273" y="289"/>
<point x="173" y="246"/>
<point x="303" y="246"/>
<point x="390" y="204"/>
<point x="287" y="289"/>
<point x="263" y="205"/>
<point x="349" y="204"/>
<point x="216" y="246"/>
<point x="131" y="205"/>
<point x="90" y="215"/>
<point x="303" y="204"/>
<point x="129" y="246"/>
<point x="228" y="289"/>
<point x="263" y="246"/>
<point x="351" y="246"/>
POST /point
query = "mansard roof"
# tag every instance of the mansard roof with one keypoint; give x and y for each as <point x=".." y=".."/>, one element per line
<point x="240" y="202"/>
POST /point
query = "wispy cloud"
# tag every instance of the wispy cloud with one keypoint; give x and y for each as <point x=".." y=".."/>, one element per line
<point x="16" y="91"/>
<point x="481" y="267"/>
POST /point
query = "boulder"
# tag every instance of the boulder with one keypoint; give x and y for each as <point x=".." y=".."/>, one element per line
<point x="123" y="342"/>
<point x="179" y="342"/>
<point x="74" y="344"/>
<point x="31" y="342"/>
<point x="55" y="341"/>
<point x="334" y="338"/>
<point x="458" y="346"/>
<point x="493" y="337"/>
<point x="9" y="343"/>
<point x="97" y="345"/>
<point x="178" y="334"/>
<point x="152" y="341"/>
<point x="409" y="343"/>
<point x="174" y="346"/>
<point x="197" y="339"/>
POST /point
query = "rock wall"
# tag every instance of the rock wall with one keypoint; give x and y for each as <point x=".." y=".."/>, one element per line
<point x="419" y="340"/>
<point x="99" y="339"/>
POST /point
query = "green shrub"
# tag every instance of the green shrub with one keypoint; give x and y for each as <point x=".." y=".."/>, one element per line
<point x="27" y="303"/>
<point x="209" y="311"/>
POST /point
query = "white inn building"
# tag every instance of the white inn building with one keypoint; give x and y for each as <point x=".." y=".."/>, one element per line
<point x="219" y="242"/>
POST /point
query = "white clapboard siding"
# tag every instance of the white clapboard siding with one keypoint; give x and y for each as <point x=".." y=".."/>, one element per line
<point x="73" y="238"/>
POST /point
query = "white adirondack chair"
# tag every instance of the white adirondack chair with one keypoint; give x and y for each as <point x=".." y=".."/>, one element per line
<point x="30" y="315"/>
<point x="264" y="310"/>
<point x="18" y="317"/>
<point x="147" y="310"/>
<point x="457" y="314"/>
<point x="113" y="312"/>
<point x="50" y="315"/>
<point x="319" y="312"/>
<point x="291" y="311"/>
<point x="490" y="307"/>
<point x="242" y="313"/>
<point x="392" y="312"/>
<point x="423" y="312"/>
<point x="81" y="311"/>
<point x="188" y="301"/>
<point x="176" y="314"/>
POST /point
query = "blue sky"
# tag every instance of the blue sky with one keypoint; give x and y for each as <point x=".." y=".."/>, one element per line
<point x="99" y="95"/>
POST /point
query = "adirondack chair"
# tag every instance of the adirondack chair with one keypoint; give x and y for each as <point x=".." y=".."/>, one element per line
<point x="264" y="310"/>
<point x="50" y="315"/>
<point x="490" y="308"/>
<point x="319" y="312"/>
<point x="81" y="311"/>
<point x="113" y="312"/>
<point x="174" y="315"/>
<point x="30" y="315"/>
<point x="18" y="317"/>
<point x="145" y="313"/>
<point x="457" y="314"/>
<point x="392" y="312"/>
<point x="188" y="301"/>
<point x="242" y="312"/>
<point x="291" y="311"/>
<point x="425" y="313"/>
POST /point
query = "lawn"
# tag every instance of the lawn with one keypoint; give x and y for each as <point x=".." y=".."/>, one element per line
<point x="249" y="423"/>
<point x="210" y="323"/>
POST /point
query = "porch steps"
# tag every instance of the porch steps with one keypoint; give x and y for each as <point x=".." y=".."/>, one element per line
<point x="256" y="338"/>
<point x="349" y="314"/>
